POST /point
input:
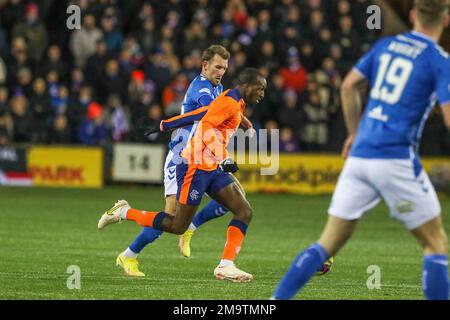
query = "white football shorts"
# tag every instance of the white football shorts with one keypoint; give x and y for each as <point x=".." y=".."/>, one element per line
<point x="170" y="176"/>
<point x="364" y="182"/>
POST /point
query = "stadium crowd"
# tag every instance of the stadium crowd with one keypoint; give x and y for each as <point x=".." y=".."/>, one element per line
<point x="135" y="59"/>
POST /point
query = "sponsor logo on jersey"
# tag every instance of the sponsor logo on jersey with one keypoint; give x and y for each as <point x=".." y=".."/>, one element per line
<point x="377" y="114"/>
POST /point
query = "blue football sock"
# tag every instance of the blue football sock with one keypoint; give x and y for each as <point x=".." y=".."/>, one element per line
<point x="212" y="210"/>
<point x="435" y="281"/>
<point x="302" y="269"/>
<point x="147" y="235"/>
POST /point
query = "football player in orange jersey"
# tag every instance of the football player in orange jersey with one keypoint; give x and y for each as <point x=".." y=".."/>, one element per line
<point x="206" y="168"/>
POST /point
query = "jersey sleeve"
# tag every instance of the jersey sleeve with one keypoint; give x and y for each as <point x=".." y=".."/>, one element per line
<point x="366" y="62"/>
<point x="201" y="94"/>
<point x="184" y="119"/>
<point x="443" y="82"/>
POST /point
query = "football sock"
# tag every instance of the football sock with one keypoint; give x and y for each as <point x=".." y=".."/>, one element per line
<point x="130" y="253"/>
<point x="146" y="218"/>
<point x="147" y="235"/>
<point x="212" y="210"/>
<point x="192" y="227"/>
<point x="435" y="281"/>
<point x="301" y="270"/>
<point x="225" y="262"/>
<point x="235" y="235"/>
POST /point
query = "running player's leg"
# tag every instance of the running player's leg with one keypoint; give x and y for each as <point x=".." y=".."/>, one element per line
<point x="192" y="184"/>
<point x="431" y="235"/>
<point x="212" y="210"/>
<point x="148" y="234"/>
<point x="228" y="193"/>
<point x="413" y="201"/>
<point x="352" y="197"/>
<point x="128" y="258"/>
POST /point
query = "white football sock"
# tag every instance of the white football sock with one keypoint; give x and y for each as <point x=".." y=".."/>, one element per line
<point x="129" y="253"/>
<point x="192" y="227"/>
<point x="123" y="213"/>
<point x="225" y="263"/>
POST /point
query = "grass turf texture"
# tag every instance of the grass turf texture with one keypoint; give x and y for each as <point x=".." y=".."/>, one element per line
<point x="43" y="231"/>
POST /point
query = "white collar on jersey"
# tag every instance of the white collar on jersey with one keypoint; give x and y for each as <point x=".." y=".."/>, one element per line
<point x="422" y="35"/>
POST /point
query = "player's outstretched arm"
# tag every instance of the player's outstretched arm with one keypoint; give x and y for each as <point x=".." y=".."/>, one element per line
<point x="446" y="114"/>
<point x="351" y="105"/>
<point x="183" y="119"/>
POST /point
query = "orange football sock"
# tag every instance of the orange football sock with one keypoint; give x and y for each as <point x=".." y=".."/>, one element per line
<point x="144" y="218"/>
<point x="234" y="242"/>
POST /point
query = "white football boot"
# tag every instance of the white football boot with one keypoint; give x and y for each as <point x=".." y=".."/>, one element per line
<point x="114" y="214"/>
<point x="232" y="273"/>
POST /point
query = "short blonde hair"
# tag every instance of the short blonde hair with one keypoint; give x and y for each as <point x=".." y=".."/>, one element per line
<point x="431" y="12"/>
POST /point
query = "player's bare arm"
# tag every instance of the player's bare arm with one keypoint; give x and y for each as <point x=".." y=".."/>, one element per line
<point x="351" y="104"/>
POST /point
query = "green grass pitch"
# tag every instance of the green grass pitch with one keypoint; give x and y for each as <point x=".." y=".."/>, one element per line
<point x="44" y="231"/>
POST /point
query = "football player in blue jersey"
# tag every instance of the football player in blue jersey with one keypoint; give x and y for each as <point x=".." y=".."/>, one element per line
<point x="406" y="74"/>
<point x="201" y="92"/>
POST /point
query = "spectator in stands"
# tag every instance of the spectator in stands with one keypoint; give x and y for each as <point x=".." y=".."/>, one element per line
<point x="41" y="110"/>
<point x="6" y="128"/>
<point x="266" y="56"/>
<point x="34" y="32"/>
<point x="60" y="131"/>
<point x="265" y="31"/>
<point x="195" y="37"/>
<point x="53" y="62"/>
<point x="96" y="62"/>
<point x="294" y="75"/>
<point x="117" y="119"/>
<point x="315" y="129"/>
<point x="173" y="95"/>
<point x="190" y="68"/>
<point x="288" y="141"/>
<point x="147" y="36"/>
<point x="24" y="78"/>
<point x="348" y="38"/>
<point x="113" y="37"/>
<point x="61" y="102"/>
<point x="112" y="81"/>
<point x="172" y="59"/>
<point x="82" y="42"/>
<point x="93" y="131"/>
<point x="158" y="70"/>
<point x="52" y="83"/>
<point x="155" y="115"/>
<point x="78" y="108"/>
<point x="21" y="118"/>
<point x="76" y="81"/>
<point x="290" y="113"/>
<point x="18" y="59"/>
